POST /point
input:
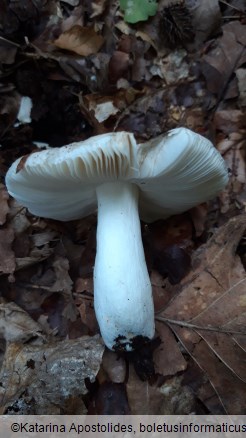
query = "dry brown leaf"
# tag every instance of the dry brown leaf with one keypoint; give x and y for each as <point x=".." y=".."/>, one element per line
<point x="170" y="399"/>
<point x="4" y="208"/>
<point x="230" y="390"/>
<point x="49" y="373"/>
<point x="98" y="7"/>
<point x="81" y="40"/>
<point x="36" y="256"/>
<point x="144" y="399"/>
<point x="211" y="303"/>
<point x="241" y="78"/>
<point x="7" y="257"/>
<point x="229" y="121"/>
<point x="87" y="315"/>
<point x="114" y="367"/>
<point x="234" y="145"/>
<point x="227" y="55"/>
<point x="44" y="237"/>
<point x="16" y="325"/>
<point x="167" y="357"/>
<point x="206" y="17"/>
<point x="102" y="106"/>
<point x="63" y="281"/>
<point x="17" y="217"/>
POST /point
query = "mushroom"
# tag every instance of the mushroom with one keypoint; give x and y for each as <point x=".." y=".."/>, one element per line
<point x="123" y="179"/>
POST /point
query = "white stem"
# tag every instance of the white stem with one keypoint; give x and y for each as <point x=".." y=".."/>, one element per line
<point x="122" y="290"/>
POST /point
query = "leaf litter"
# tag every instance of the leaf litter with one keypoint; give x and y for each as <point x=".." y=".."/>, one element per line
<point x="86" y="72"/>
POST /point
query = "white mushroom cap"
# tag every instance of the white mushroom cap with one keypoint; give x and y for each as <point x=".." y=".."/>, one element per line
<point x="174" y="172"/>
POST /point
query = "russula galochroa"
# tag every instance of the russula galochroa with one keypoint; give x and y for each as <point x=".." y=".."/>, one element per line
<point x="122" y="179"/>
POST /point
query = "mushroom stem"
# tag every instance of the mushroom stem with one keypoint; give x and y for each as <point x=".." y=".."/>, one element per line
<point x="122" y="289"/>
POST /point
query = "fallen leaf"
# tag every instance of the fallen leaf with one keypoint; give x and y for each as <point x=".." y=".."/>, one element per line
<point x="206" y="17"/>
<point x="172" y="68"/>
<point x="209" y="307"/>
<point x="7" y="256"/>
<point x="81" y="40"/>
<point x="16" y="325"/>
<point x="36" y="255"/>
<point x="228" y="121"/>
<point x="172" y="398"/>
<point x="63" y="282"/>
<point x="110" y="399"/>
<point x="114" y="366"/>
<point x="223" y="59"/>
<point x="4" y="207"/>
<point x="103" y="107"/>
<point x="87" y="315"/>
<point x="98" y="7"/>
<point x="241" y="77"/>
<point x="144" y="398"/>
<point x="167" y="357"/>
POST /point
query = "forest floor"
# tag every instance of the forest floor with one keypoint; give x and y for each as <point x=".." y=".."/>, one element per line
<point x="87" y="71"/>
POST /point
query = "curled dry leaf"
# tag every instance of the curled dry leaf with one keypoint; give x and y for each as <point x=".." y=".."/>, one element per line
<point x="209" y="313"/>
<point x="81" y="40"/>
<point x="49" y="372"/>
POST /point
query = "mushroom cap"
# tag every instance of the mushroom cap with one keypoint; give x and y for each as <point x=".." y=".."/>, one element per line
<point x="174" y="172"/>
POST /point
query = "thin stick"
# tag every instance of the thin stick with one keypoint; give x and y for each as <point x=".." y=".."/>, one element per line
<point x="197" y="327"/>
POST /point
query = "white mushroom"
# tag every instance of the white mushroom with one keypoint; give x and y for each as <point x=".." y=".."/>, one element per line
<point x="121" y="178"/>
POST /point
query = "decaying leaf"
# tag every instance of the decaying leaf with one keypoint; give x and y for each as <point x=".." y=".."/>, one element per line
<point x="211" y="309"/>
<point x="241" y="77"/>
<point x="110" y="399"/>
<point x="221" y="61"/>
<point x="7" y="257"/>
<point x="35" y="256"/>
<point x="172" y="398"/>
<point x="143" y="398"/>
<point x="168" y="358"/>
<point x="98" y="7"/>
<point x="63" y="281"/>
<point x="206" y="17"/>
<point x="49" y="373"/>
<point x="4" y="208"/>
<point x="81" y="40"/>
<point x="114" y="367"/>
<point x="16" y="325"/>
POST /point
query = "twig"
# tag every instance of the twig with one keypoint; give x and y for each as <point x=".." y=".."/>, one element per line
<point x="197" y="327"/>
<point x="231" y="6"/>
<point x="5" y="40"/>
